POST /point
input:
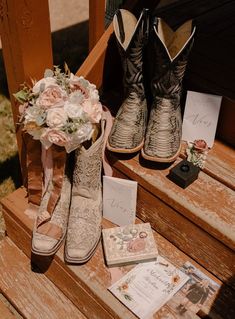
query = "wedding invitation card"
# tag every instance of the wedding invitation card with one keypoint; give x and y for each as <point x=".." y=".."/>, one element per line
<point x="148" y="286"/>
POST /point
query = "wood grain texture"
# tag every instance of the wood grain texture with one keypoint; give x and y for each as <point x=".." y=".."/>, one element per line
<point x="33" y="295"/>
<point x="87" y="295"/>
<point x="5" y="312"/>
<point x="24" y="27"/>
<point x="206" y="202"/>
<point x="96" y="21"/>
<point x="220" y="163"/>
<point x="180" y="231"/>
<point x="93" y="277"/>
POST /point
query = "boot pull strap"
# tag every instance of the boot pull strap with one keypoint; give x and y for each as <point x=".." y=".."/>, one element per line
<point x="120" y="25"/>
<point x="146" y="24"/>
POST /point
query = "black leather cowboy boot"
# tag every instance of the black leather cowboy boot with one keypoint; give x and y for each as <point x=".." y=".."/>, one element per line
<point x="168" y="55"/>
<point x="127" y="134"/>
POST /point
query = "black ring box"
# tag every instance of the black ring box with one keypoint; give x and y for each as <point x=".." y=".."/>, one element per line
<point x="184" y="173"/>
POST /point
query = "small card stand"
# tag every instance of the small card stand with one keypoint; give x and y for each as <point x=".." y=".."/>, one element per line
<point x="184" y="173"/>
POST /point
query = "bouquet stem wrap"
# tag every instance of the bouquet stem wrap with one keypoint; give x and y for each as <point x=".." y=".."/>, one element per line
<point x="38" y="167"/>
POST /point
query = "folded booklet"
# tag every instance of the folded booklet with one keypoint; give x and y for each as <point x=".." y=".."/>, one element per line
<point x="129" y="244"/>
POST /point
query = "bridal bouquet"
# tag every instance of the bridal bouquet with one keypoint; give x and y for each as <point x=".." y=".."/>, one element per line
<point x="61" y="109"/>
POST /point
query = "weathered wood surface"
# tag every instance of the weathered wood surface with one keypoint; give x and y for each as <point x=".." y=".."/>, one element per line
<point x="5" y="312"/>
<point x="206" y="202"/>
<point x="33" y="295"/>
<point x="26" y="44"/>
<point x="96" y="21"/>
<point x="186" y="235"/>
<point x="220" y="163"/>
<point x="86" y="285"/>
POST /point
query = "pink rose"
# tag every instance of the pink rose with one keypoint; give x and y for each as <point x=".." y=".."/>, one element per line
<point x="94" y="111"/>
<point x="77" y="83"/>
<point x="56" y="117"/>
<point x="200" y="146"/>
<point x="136" y="245"/>
<point x="52" y="96"/>
<point x="54" y="136"/>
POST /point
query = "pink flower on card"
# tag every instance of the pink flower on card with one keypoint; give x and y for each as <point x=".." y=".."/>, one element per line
<point x="136" y="245"/>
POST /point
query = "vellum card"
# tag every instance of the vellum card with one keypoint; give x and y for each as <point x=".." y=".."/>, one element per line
<point x="147" y="287"/>
<point x="201" y="117"/>
<point x="119" y="200"/>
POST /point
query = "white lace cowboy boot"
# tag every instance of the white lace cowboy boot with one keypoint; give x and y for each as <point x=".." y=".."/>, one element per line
<point x="84" y="226"/>
<point x="168" y="52"/>
<point x="127" y="133"/>
<point x="50" y="229"/>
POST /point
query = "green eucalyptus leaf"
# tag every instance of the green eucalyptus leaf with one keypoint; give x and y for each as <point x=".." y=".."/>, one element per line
<point x="21" y="96"/>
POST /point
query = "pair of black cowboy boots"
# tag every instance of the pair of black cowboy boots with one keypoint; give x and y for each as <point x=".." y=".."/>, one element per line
<point x="156" y="132"/>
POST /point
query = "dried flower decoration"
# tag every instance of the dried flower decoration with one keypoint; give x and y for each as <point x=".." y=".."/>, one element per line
<point x="197" y="152"/>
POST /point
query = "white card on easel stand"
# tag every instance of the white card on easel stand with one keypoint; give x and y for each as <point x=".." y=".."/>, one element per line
<point x="119" y="200"/>
<point x="201" y="117"/>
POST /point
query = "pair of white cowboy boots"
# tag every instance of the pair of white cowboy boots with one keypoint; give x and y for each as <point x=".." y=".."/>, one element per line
<point x="78" y="214"/>
<point x="156" y="132"/>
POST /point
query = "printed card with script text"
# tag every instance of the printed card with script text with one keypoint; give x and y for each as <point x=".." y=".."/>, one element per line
<point x="119" y="200"/>
<point x="201" y="117"/>
<point x="147" y="287"/>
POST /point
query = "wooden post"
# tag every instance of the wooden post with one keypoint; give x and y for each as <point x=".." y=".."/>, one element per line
<point x="96" y="21"/>
<point x="26" y="43"/>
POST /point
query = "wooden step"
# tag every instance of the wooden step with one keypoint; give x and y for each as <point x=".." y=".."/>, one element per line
<point x="199" y="220"/>
<point x="32" y="294"/>
<point x="220" y="163"/>
<point x="86" y="285"/>
<point x="5" y="311"/>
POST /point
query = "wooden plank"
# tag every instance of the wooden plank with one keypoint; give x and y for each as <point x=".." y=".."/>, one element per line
<point x="94" y="276"/>
<point x="180" y="231"/>
<point x="69" y="279"/>
<point x="5" y="311"/>
<point x="220" y="163"/>
<point x="96" y="21"/>
<point x="32" y="294"/>
<point x="92" y="68"/>
<point x="26" y="38"/>
<point x="206" y="202"/>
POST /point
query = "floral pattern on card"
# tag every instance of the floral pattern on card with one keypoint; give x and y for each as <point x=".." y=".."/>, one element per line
<point x="131" y="243"/>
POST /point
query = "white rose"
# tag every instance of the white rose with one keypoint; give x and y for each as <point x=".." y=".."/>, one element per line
<point x="73" y="106"/>
<point x="42" y="84"/>
<point x="93" y="111"/>
<point x="56" y="117"/>
<point x="83" y="134"/>
<point x="74" y="111"/>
